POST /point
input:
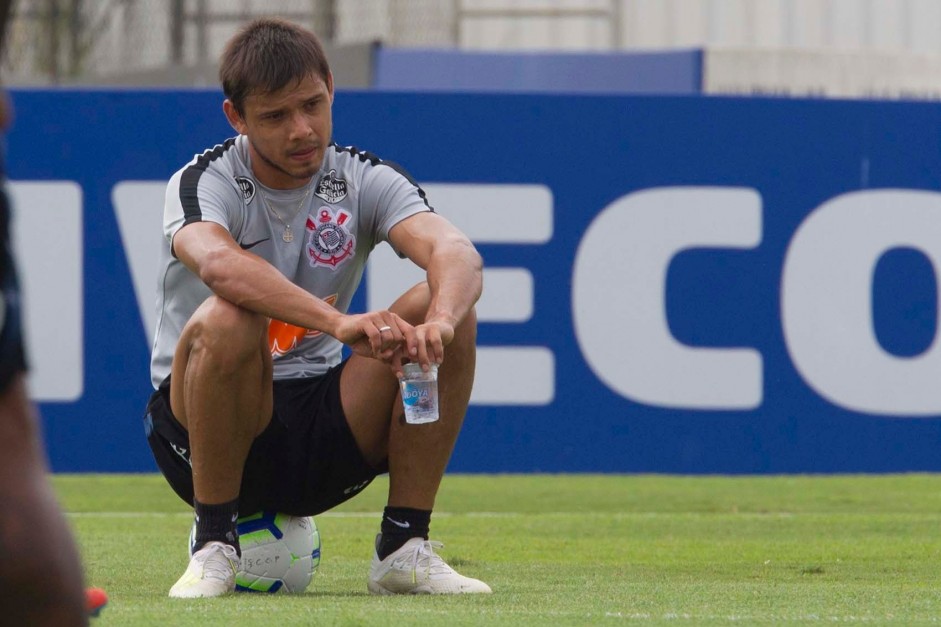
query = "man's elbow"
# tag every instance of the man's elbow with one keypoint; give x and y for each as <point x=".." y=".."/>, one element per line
<point x="476" y="264"/>
<point x="468" y="252"/>
<point x="215" y="270"/>
<point x="474" y="258"/>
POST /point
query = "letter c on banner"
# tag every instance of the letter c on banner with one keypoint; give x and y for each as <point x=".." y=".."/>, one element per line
<point x="619" y="303"/>
<point x="826" y="301"/>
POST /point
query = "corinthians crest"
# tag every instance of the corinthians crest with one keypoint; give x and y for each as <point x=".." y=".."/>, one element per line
<point x="330" y="188"/>
<point x="329" y="241"/>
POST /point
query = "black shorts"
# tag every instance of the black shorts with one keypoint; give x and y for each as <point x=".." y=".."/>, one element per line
<point x="304" y="463"/>
<point x="12" y="356"/>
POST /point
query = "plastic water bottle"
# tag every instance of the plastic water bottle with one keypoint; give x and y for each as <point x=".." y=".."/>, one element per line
<point x="419" y="393"/>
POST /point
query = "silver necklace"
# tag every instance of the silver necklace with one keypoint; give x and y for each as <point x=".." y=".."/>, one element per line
<point x="288" y="235"/>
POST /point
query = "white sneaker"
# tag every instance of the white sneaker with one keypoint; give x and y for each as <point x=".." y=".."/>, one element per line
<point x="211" y="573"/>
<point x="416" y="569"/>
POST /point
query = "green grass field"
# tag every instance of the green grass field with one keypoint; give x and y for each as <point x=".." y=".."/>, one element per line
<point x="563" y="550"/>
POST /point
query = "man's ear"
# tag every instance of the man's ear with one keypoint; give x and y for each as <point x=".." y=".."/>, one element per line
<point x="330" y="85"/>
<point x="234" y="117"/>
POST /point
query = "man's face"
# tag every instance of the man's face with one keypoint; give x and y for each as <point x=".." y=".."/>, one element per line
<point x="288" y="130"/>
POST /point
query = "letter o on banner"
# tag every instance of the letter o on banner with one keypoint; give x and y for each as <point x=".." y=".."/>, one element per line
<point x="826" y="301"/>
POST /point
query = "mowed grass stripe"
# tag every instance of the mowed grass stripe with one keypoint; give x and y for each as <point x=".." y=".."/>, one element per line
<point x="576" y="493"/>
<point x="565" y="549"/>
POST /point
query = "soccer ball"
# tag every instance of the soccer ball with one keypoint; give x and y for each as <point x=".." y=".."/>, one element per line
<point x="279" y="552"/>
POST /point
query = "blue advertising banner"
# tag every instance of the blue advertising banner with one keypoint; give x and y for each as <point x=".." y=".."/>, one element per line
<point x="673" y="284"/>
<point x="428" y="69"/>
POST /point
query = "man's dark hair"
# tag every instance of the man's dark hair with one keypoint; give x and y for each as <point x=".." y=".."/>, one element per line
<point x="267" y="55"/>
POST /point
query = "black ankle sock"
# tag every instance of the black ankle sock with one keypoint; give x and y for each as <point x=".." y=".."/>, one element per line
<point x="399" y="525"/>
<point x="217" y="523"/>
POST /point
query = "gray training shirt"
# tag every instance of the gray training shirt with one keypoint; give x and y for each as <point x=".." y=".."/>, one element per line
<point x="350" y="206"/>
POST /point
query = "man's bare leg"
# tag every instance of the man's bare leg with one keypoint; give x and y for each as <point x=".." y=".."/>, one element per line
<point x="221" y="393"/>
<point x="417" y="454"/>
<point x="405" y="562"/>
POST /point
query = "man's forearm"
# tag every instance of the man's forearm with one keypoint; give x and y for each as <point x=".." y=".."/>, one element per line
<point x="455" y="276"/>
<point x="254" y="284"/>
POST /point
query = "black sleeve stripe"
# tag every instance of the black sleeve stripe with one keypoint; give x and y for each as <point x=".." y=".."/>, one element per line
<point x="353" y="151"/>
<point x="189" y="181"/>
<point x="365" y="156"/>
<point x="408" y="177"/>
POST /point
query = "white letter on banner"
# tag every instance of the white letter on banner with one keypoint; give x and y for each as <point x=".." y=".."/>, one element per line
<point x="826" y="301"/>
<point x="518" y="215"/>
<point x="52" y="285"/>
<point x="138" y="206"/>
<point x="619" y="295"/>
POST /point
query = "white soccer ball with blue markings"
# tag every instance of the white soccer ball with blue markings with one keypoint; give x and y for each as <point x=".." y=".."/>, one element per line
<point x="280" y="553"/>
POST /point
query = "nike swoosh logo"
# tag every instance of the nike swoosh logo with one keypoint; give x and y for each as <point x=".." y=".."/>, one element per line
<point x="403" y="525"/>
<point x="253" y="244"/>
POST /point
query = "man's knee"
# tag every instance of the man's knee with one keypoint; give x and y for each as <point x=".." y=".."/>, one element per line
<point x="227" y="333"/>
<point x="413" y="304"/>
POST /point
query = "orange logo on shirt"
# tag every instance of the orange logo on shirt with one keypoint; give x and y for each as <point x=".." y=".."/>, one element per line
<point x="283" y="337"/>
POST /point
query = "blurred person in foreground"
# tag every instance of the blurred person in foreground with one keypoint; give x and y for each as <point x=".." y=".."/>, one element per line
<point x="265" y="241"/>
<point x="40" y="571"/>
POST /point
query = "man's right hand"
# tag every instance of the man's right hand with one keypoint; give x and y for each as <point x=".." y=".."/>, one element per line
<point x="381" y="335"/>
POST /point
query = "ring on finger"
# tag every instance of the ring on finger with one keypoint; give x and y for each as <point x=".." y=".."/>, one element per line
<point x="381" y="329"/>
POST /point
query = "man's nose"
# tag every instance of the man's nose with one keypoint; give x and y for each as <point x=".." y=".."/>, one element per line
<point x="300" y="125"/>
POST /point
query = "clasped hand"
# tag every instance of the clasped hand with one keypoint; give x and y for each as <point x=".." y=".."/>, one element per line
<point x="385" y="336"/>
